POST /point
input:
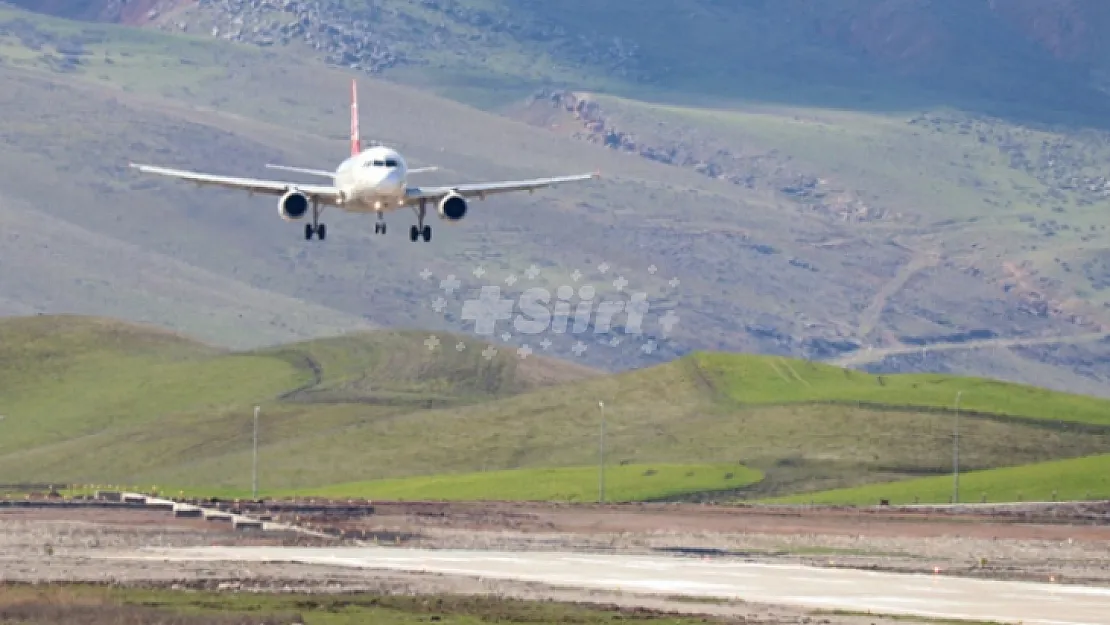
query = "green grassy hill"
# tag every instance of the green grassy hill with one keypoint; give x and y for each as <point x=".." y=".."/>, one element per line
<point x="67" y="377"/>
<point x="1061" y="480"/>
<point x="623" y="482"/>
<point x="94" y="401"/>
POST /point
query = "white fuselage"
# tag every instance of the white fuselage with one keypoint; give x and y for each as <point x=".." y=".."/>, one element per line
<point x="372" y="181"/>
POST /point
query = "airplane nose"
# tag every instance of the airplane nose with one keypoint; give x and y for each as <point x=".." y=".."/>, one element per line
<point x="392" y="180"/>
<point x="385" y="181"/>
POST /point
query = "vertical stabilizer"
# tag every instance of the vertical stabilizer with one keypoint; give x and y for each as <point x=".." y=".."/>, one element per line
<point x="356" y="142"/>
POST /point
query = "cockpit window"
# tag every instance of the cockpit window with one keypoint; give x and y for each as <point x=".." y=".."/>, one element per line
<point x="379" y="164"/>
<point x="390" y="163"/>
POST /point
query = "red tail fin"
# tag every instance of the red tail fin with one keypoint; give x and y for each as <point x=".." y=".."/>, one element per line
<point x="356" y="142"/>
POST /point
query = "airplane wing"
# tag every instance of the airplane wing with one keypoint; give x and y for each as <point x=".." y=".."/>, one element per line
<point x="326" y="194"/>
<point x="482" y="189"/>
<point x="303" y="170"/>
<point x="331" y="174"/>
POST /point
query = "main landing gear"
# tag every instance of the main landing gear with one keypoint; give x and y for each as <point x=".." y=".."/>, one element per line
<point x="317" y="228"/>
<point x="420" y="230"/>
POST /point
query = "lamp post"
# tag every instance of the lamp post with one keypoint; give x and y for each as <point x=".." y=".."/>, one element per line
<point x="254" y="458"/>
<point x="956" y="454"/>
<point x="601" y="458"/>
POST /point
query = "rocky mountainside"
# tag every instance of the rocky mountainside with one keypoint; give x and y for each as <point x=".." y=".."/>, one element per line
<point x="788" y="235"/>
<point x="1020" y="52"/>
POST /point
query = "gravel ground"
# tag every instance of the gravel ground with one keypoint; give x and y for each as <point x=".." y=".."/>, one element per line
<point x="1008" y="546"/>
<point x="1033" y="560"/>
<point x="40" y="551"/>
<point x="39" y="545"/>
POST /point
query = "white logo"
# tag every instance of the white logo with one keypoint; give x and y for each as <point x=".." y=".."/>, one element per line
<point x="577" y="314"/>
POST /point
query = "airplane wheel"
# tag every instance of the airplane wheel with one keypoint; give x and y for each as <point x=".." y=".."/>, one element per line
<point x="383" y="227"/>
<point x="321" y="232"/>
<point x="308" y="232"/>
<point x="427" y="233"/>
<point x="413" y="234"/>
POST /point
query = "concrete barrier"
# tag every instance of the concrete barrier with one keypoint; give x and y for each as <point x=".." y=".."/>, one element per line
<point x="262" y="521"/>
<point x="243" y="523"/>
<point x="186" y="511"/>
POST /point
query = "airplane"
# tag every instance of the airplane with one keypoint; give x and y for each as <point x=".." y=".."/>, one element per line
<point x="370" y="180"/>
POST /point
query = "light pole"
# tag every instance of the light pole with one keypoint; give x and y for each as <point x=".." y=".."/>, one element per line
<point x="254" y="458"/>
<point x="956" y="454"/>
<point x="601" y="458"/>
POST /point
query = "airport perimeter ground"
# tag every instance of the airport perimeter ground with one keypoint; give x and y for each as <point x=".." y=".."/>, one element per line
<point x="1063" y="544"/>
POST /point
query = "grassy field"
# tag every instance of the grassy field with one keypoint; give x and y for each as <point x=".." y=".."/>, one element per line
<point x="66" y="378"/>
<point x="760" y="380"/>
<point x="379" y="415"/>
<point x="1064" y="480"/>
<point x="632" y="482"/>
<point x="623" y="482"/>
<point x="93" y="605"/>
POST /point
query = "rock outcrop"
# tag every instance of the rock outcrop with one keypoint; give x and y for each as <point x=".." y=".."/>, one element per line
<point x="717" y="160"/>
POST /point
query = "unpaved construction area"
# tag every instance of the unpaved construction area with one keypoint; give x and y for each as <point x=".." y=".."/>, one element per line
<point x="1061" y="545"/>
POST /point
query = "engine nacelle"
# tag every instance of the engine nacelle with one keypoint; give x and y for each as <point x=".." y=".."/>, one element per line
<point x="452" y="207"/>
<point x="293" y="205"/>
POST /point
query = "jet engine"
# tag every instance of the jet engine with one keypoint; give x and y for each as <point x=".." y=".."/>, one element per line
<point x="452" y="207"/>
<point x="293" y="205"/>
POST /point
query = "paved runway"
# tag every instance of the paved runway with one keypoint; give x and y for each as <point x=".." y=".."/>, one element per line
<point x="934" y="596"/>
